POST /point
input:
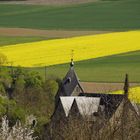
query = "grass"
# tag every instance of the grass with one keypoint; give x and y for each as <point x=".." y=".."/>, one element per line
<point x="102" y="15"/>
<point x="105" y="69"/>
<point x="8" y="40"/>
<point x="58" y="51"/>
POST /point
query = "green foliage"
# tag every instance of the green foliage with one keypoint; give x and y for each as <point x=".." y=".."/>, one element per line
<point x="102" y="15"/>
<point x="32" y="79"/>
<point x="15" y="112"/>
<point x="31" y="95"/>
<point x="51" y="87"/>
<point x="5" y="78"/>
<point x="11" y="109"/>
<point x="3" y="102"/>
<point x="20" y="84"/>
<point x="2" y="89"/>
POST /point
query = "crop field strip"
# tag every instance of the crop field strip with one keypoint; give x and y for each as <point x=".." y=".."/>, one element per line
<point x="103" y="15"/>
<point x="51" y="52"/>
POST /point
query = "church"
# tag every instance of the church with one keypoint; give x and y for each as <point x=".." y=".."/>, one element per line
<point x="95" y="107"/>
<point x="72" y="93"/>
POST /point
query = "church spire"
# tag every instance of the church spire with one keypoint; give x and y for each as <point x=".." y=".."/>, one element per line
<point x="72" y="62"/>
<point x="126" y="85"/>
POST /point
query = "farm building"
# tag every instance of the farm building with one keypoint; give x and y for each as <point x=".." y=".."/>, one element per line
<point x="97" y="109"/>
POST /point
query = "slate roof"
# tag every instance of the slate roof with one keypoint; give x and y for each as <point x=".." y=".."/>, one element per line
<point x="86" y="105"/>
<point x="68" y="85"/>
<point x="109" y="101"/>
<point x="136" y="107"/>
<point x="70" y="82"/>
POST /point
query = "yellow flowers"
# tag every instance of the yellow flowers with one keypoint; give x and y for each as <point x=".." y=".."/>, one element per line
<point x="59" y="51"/>
<point x="134" y="94"/>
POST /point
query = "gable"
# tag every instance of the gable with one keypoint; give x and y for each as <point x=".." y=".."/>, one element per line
<point x="74" y="111"/>
<point x="66" y="104"/>
<point x="77" y="90"/>
<point x="88" y="105"/>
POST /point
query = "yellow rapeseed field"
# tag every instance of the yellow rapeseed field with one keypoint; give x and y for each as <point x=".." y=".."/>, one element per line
<point x="58" y="51"/>
<point x="134" y="94"/>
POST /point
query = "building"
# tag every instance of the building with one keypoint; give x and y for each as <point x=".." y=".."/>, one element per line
<point x="99" y="110"/>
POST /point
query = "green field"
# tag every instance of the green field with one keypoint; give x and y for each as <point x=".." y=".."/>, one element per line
<point x="106" y="69"/>
<point x="8" y="40"/>
<point x="102" y="15"/>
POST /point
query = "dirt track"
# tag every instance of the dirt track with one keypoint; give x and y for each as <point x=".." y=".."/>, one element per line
<point x="93" y="87"/>
<point x="50" y="2"/>
<point x="45" y="33"/>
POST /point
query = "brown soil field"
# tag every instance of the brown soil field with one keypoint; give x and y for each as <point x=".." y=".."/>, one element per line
<point x="93" y="87"/>
<point x="50" y="2"/>
<point x="45" y="33"/>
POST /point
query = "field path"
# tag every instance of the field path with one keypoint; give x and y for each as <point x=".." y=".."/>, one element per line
<point x="96" y="87"/>
<point x="46" y="33"/>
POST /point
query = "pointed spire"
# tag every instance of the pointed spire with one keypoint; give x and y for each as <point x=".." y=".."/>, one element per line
<point x="72" y="55"/>
<point x="71" y="63"/>
<point x="126" y="85"/>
